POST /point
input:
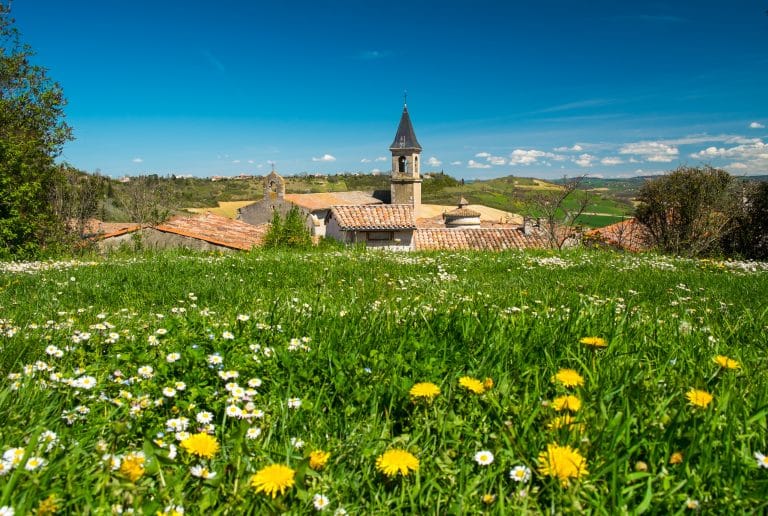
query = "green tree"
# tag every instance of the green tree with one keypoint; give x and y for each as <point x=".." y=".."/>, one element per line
<point x="290" y="233"/>
<point x="687" y="211"/>
<point x="749" y="234"/>
<point x="32" y="133"/>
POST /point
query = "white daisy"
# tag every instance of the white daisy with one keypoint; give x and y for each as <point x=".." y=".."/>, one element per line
<point x="320" y="501"/>
<point x="762" y="460"/>
<point x="520" y="474"/>
<point x="484" y="457"/>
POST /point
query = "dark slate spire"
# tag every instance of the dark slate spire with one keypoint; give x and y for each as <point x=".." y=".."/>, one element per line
<point x="405" y="137"/>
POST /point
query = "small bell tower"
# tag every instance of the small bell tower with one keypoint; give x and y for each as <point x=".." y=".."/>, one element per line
<point x="406" y="164"/>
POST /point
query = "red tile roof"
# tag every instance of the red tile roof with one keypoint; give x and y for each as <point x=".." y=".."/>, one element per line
<point x="486" y="239"/>
<point x="375" y="217"/>
<point x="324" y="201"/>
<point x="628" y="234"/>
<point x="218" y="230"/>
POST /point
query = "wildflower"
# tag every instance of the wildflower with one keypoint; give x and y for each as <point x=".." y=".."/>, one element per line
<point x="424" y="390"/>
<point x="563" y="463"/>
<point x="146" y="371"/>
<point x="297" y="443"/>
<point x="180" y="386"/>
<point x="47" y="506"/>
<point x="488" y="498"/>
<point x="565" y="421"/>
<point x="320" y="501"/>
<point x="201" y="444"/>
<point x="520" y="474"/>
<point x="273" y="479"/>
<point x="228" y="335"/>
<point x="34" y="463"/>
<point x="484" y="458"/>
<point x="172" y="510"/>
<point x="173" y="357"/>
<point x="13" y="456"/>
<point x="202" y="472"/>
<point x="395" y="461"/>
<point x="676" y="458"/>
<point x="318" y="459"/>
<point x="726" y="363"/>
<point x="341" y="511"/>
<point x="568" y="402"/>
<point x="595" y="342"/>
<point x="294" y="403"/>
<point x="113" y="461"/>
<point x="698" y="398"/>
<point x="691" y="504"/>
<point x="253" y="433"/>
<point x="254" y="383"/>
<point x="762" y="460"/>
<point x="472" y="384"/>
<point x="7" y="510"/>
<point x="204" y="417"/>
<point x="569" y="378"/>
<point x="215" y="359"/>
<point x="133" y="466"/>
<point x="169" y="392"/>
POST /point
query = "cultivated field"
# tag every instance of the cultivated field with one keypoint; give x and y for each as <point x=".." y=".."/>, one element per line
<point x="371" y="383"/>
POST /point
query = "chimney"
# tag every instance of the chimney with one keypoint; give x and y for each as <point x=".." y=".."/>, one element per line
<point x="527" y="229"/>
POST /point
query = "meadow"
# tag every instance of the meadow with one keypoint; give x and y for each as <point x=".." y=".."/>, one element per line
<point x="352" y="382"/>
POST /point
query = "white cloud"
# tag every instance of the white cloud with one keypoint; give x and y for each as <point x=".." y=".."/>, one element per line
<point x="137" y="160"/>
<point x="575" y="148"/>
<point x="375" y="171"/>
<point x="434" y="162"/>
<point x="381" y="158"/>
<point x="584" y="160"/>
<point x="612" y="160"/>
<point x="527" y="157"/>
<point x="657" y="152"/>
<point x="235" y="161"/>
<point x="596" y="176"/>
<point x="365" y="160"/>
<point x="456" y="163"/>
<point x="496" y="160"/>
<point x="738" y="166"/>
<point x="251" y="161"/>
<point x="474" y="164"/>
<point x="751" y="156"/>
<point x="756" y="125"/>
<point x="325" y="157"/>
<point x="483" y="155"/>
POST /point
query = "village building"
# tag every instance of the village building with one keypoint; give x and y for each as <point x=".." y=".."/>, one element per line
<point x="208" y="232"/>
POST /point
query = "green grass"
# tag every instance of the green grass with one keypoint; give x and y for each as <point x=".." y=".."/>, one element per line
<point x="373" y="325"/>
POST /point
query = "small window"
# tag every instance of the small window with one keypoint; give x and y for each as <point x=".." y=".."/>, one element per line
<point x="401" y="164"/>
<point x="380" y="236"/>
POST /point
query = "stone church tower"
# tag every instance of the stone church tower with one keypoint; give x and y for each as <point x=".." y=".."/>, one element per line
<point x="406" y="166"/>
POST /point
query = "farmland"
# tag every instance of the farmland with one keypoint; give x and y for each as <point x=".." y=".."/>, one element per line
<point x="369" y="383"/>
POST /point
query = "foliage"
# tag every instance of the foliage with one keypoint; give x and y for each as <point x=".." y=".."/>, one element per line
<point x="748" y="236"/>
<point x="290" y="233"/>
<point x="557" y="218"/>
<point x="75" y="198"/>
<point x="332" y="344"/>
<point x="32" y="132"/>
<point x="146" y="199"/>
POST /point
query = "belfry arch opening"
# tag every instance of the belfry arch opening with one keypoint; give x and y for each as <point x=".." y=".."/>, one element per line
<point x="401" y="164"/>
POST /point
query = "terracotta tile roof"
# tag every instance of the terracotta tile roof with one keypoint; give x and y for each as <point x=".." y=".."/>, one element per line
<point x="375" y="217"/>
<point x="462" y="212"/>
<point x="218" y="230"/>
<point x="97" y="228"/>
<point x="486" y="239"/>
<point x="628" y="234"/>
<point x="324" y="201"/>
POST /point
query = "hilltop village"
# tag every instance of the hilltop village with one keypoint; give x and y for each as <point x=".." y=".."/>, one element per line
<point x="395" y="219"/>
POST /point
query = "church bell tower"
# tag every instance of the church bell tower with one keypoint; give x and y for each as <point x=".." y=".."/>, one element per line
<point x="406" y="167"/>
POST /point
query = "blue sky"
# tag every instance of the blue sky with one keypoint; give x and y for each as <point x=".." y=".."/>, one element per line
<point x="540" y="88"/>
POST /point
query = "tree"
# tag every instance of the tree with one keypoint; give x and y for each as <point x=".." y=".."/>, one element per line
<point x="32" y="133"/>
<point x="559" y="208"/>
<point x="145" y="199"/>
<point x="291" y="232"/>
<point x="687" y="211"/>
<point x="75" y="198"/>
<point x="748" y="236"/>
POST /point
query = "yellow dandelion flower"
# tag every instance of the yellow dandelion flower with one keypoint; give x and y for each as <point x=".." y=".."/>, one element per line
<point x="595" y="342"/>
<point x="726" y="363"/>
<point x="568" y="402"/>
<point x="472" y="384"/>
<point x="132" y="466"/>
<point x="201" y="444"/>
<point x="318" y="459"/>
<point x="488" y="383"/>
<point x="395" y="461"/>
<point x="424" y="390"/>
<point x="698" y="398"/>
<point x="273" y="479"/>
<point x="676" y="458"/>
<point x="48" y="506"/>
<point x="488" y="498"/>
<point x="568" y="377"/>
<point x="563" y="463"/>
<point x="565" y="421"/>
